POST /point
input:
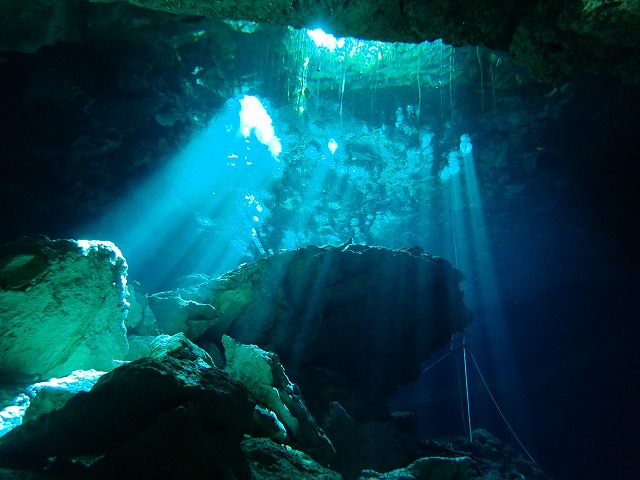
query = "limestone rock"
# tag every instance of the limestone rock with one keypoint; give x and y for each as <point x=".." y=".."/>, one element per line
<point x="63" y="306"/>
<point x="488" y="457"/>
<point x="442" y="468"/>
<point x="266" y="424"/>
<point x="349" y="324"/>
<point x="270" y="461"/>
<point x="139" y="347"/>
<point x="170" y="415"/>
<point x="269" y="386"/>
<point x="175" y="314"/>
<point x="180" y="347"/>
<point x="140" y="319"/>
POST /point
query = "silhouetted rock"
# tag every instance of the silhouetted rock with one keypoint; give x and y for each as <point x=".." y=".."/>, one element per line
<point x="427" y="468"/>
<point x="171" y="415"/>
<point x="175" y="314"/>
<point x="488" y="457"/>
<point x="271" y="461"/>
<point x="349" y="325"/>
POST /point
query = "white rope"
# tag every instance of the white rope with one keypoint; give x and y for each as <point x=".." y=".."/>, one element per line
<point x="464" y="423"/>
<point x="466" y="385"/>
<point x="500" y="411"/>
<point x="437" y="361"/>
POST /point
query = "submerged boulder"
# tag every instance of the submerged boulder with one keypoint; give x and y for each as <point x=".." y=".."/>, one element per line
<point x="349" y="323"/>
<point x="269" y="386"/>
<point x="271" y="461"/>
<point x="175" y="314"/>
<point x="442" y="468"/>
<point x="63" y="306"/>
<point x="487" y="456"/>
<point x="170" y="415"/>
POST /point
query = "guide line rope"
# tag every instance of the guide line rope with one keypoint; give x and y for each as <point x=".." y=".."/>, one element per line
<point x="466" y="386"/>
<point x="464" y="348"/>
<point x="499" y="410"/>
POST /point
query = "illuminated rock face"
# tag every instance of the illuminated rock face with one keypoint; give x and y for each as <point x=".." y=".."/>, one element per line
<point x="269" y="386"/>
<point x="62" y="307"/>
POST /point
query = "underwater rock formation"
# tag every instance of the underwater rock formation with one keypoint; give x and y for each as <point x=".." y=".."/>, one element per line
<point x="424" y="469"/>
<point x="174" y="314"/>
<point x="269" y="386"/>
<point x="63" y="307"/>
<point x="488" y="457"/>
<point x="349" y="324"/>
<point x="170" y="415"/>
<point x="271" y="461"/>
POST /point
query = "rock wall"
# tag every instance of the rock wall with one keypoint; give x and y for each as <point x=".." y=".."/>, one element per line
<point x="62" y="307"/>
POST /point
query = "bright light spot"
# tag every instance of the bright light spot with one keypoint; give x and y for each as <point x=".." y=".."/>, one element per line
<point x="465" y="144"/>
<point x="254" y="118"/>
<point x="75" y="381"/>
<point x="452" y="168"/>
<point x="255" y="218"/>
<point x="332" y="145"/>
<point x="11" y="416"/>
<point x="326" y="40"/>
<point x="79" y="380"/>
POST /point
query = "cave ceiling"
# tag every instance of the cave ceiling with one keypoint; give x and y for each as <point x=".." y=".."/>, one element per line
<point x="553" y="39"/>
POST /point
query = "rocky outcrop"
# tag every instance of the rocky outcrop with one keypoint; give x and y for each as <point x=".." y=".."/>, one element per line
<point x="63" y="307"/>
<point x="175" y="314"/>
<point x="425" y="469"/>
<point x="171" y="415"/>
<point x="349" y="324"/>
<point x="487" y="456"/>
<point x="271" y="461"/>
<point x="269" y="386"/>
